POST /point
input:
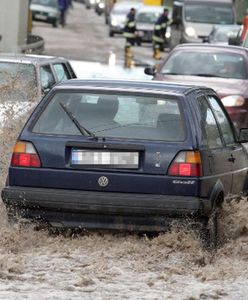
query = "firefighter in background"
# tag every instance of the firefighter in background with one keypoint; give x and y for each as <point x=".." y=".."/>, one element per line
<point x="160" y="27"/>
<point x="130" y="27"/>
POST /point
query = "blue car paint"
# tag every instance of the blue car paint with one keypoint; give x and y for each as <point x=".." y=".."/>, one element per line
<point x="56" y="172"/>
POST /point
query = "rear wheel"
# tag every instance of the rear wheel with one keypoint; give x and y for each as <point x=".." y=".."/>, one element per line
<point x="55" y="23"/>
<point x="111" y="33"/>
<point x="211" y="237"/>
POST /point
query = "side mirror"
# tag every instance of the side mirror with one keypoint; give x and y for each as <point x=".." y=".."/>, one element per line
<point x="235" y="41"/>
<point x="150" y="71"/>
<point x="206" y="39"/>
<point x="243" y="135"/>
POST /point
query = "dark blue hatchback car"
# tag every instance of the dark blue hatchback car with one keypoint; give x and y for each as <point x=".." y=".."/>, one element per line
<point x="126" y="155"/>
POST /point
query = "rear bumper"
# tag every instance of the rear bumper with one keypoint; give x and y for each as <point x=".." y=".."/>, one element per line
<point x="89" y="209"/>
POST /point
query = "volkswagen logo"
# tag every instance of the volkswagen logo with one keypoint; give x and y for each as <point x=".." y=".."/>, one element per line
<point x="103" y="181"/>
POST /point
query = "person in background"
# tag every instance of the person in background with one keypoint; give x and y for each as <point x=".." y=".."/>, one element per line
<point x="245" y="26"/>
<point x="160" y="28"/>
<point x="63" y="6"/>
<point x="130" y="27"/>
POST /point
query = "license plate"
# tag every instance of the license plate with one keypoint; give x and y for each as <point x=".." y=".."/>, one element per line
<point x="40" y="17"/>
<point x="111" y="159"/>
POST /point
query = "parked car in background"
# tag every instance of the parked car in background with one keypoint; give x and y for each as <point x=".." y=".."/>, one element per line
<point x="221" y="34"/>
<point x="146" y="17"/>
<point x="46" y="11"/>
<point x="24" y="79"/>
<point x="126" y="155"/>
<point x="193" y="20"/>
<point x="118" y="15"/>
<point x="223" y="68"/>
<point x="100" y="7"/>
<point x="89" y="3"/>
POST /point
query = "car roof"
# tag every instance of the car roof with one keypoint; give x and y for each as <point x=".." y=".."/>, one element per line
<point x="211" y="1"/>
<point x="212" y="47"/>
<point x="151" y="9"/>
<point x="29" y="58"/>
<point x="152" y="86"/>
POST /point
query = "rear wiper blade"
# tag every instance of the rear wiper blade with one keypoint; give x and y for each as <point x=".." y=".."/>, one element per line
<point x="83" y="130"/>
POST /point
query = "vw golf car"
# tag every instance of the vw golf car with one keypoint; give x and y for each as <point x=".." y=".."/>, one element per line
<point x="126" y="155"/>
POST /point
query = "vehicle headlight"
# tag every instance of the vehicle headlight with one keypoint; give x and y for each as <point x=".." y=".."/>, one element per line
<point x="52" y="14"/>
<point x="92" y="1"/>
<point x="168" y="35"/>
<point x="190" y="31"/>
<point x="114" y="23"/>
<point x="233" y="100"/>
<point x="101" y="5"/>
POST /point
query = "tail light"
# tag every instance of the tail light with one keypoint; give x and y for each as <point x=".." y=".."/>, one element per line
<point x="25" y="155"/>
<point x="186" y="163"/>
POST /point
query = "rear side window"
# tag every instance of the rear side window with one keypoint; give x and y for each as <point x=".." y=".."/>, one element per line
<point x="209" y="127"/>
<point x="224" y="124"/>
<point x="61" y="72"/>
<point x="120" y="116"/>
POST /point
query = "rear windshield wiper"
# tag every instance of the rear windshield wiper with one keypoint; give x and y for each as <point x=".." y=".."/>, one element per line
<point x="83" y="130"/>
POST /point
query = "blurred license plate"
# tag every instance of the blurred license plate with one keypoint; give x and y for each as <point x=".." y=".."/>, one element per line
<point x="115" y="159"/>
<point x="40" y="17"/>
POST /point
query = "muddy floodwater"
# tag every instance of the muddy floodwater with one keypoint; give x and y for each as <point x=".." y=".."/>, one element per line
<point x="103" y="265"/>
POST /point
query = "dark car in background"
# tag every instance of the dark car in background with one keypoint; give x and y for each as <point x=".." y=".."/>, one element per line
<point x="126" y="155"/>
<point x="100" y="7"/>
<point x="223" y="68"/>
<point x="46" y="11"/>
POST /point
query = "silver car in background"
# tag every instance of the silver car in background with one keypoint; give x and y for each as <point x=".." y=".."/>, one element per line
<point x="118" y="15"/>
<point x="146" y="17"/>
<point x="222" y="33"/>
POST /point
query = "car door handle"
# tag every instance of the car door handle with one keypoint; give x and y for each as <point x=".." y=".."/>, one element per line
<point x="231" y="159"/>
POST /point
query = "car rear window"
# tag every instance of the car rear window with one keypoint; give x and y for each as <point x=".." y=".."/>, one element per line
<point x="119" y="116"/>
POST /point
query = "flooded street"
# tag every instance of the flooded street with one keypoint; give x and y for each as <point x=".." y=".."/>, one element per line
<point x="37" y="265"/>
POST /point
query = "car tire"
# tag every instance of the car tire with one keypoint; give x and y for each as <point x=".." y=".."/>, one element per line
<point x="111" y="33"/>
<point x="211" y="237"/>
<point x="55" y="23"/>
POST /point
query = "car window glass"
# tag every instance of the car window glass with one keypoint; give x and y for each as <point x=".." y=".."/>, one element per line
<point x="18" y="81"/>
<point x="219" y="64"/>
<point x="210" y="131"/>
<point x="61" y="72"/>
<point x="51" y="3"/>
<point x="211" y="13"/>
<point x="47" y="78"/>
<point x="225" y="126"/>
<point x="138" y="117"/>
